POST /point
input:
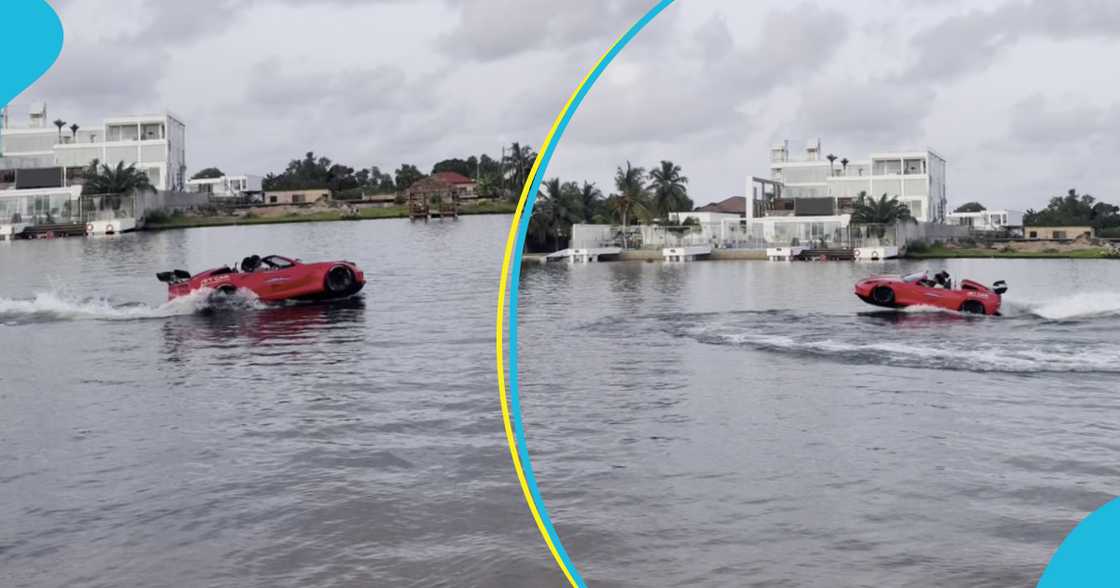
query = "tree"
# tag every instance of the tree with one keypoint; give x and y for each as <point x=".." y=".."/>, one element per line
<point x="58" y="122"/>
<point x="591" y="202"/>
<point x="632" y="196"/>
<point x="844" y="163"/>
<point x="406" y="175"/>
<point x="74" y="132"/>
<point x="115" y="182"/>
<point x="558" y="207"/>
<point x="887" y="210"/>
<point x="208" y="173"/>
<point x="831" y="163"/>
<point x="460" y="166"/>
<point x="971" y="207"/>
<point x="1075" y="209"/>
<point x="517" y="163"/>
<point x="670" y="193"/>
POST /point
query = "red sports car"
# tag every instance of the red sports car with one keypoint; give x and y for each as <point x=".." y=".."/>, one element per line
<point x="272" y="279"/>
<point x="918" y="289"/>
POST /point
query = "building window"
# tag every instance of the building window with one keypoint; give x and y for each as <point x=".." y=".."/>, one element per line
<point x="1034" y="234"/>
<point x="1059" y="234"/>
<point x="272" y="200"/>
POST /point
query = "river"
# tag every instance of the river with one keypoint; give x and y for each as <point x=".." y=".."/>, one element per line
<point x="704" y="424"/>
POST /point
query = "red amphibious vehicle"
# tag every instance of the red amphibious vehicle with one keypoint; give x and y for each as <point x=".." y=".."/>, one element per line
<point x="919" y="290"/>
<point x="272" y="279"/>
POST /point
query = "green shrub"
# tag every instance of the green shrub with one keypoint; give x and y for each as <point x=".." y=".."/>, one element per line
<point x="157" y="216"/>
<point x="918" y="247"/>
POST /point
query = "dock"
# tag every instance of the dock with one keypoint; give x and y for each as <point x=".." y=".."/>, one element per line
<point x="688" y="253"/>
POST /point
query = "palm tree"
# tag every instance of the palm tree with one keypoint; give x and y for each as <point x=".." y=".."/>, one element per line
<point x="590" y="198"/>
<point x="558" y="207"/>
<point x="844" y="163"/>
<point x="58" y="122"/>
<point x="831" y="162"/>
<point x="115" y="182"/>
<point x="520" y="161"/>
<point x="74" y="132"/>
<point x="884" y="211"/>
<point x="670" y="194"/>
<point x="631" y="197"/>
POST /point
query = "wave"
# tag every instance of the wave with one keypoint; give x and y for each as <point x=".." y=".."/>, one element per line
<point x="978" y="357"/>
<point x="54" y="306"/>
<point x="1087" y="305"/>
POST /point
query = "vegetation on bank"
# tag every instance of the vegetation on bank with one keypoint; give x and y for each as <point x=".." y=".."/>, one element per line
<point x="641" y="196"/>
<point x="972" y="249"/>
<point x="500" y="177"/>
<point x="177" y="220"/>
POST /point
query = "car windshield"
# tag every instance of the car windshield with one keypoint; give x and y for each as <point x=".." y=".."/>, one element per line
<point x="277" y="262"/>
<point x="912" y="278"/>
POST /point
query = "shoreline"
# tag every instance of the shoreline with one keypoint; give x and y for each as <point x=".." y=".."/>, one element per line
<point x="393" y="212"/>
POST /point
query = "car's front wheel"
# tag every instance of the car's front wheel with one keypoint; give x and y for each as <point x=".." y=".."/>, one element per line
<point x="883" y="295"/>
<point x="340" y="280"/>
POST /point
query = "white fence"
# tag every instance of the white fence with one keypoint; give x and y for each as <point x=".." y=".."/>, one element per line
<point x="760" y="235"/>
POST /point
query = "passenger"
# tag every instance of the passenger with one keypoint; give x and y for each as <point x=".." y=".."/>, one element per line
<point x="942" y="279"/>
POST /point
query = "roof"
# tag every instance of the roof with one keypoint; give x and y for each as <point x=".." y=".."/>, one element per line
<point x="733" y="205"/>
<point x="453" y="178"/>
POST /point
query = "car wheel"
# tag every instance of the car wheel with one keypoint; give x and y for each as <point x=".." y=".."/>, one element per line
<point x="972" y="307"/>
<point x="883" y="295"/>
<point x="227" y="290"/>
<point x="340" y="279"/>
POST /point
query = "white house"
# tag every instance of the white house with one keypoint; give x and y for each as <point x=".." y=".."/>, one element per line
<point x="916" y="178"/>
<point x="988" y="220"/>
<point x="155" y="143"/>
<point x="227" y="186"/>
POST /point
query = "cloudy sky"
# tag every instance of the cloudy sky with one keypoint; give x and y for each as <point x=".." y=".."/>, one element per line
<point x="1020" y="96"/>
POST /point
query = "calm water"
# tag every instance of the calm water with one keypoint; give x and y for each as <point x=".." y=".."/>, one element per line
<point x="710" y="424"/>
<point x="755" y="424"/>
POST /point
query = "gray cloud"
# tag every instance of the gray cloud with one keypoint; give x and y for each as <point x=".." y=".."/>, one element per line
<point x="971" y="42"/>
<point x="497" y="29"/>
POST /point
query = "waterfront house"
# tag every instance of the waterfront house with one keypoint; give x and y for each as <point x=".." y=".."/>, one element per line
<point x="1059" y="233"/>
<point x="915" y="177"/>
<point x="444" y="186"/>
<point x="155" y="143"/>
<point x="1010" y="221"/>
<point x="244" y="187"/>
<point x="297" y="196"/>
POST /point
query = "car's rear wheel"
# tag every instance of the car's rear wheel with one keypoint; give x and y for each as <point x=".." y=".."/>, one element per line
<point x="883" y="295"/>
<point x="340" y="280"/>
<point x="226" y="291"/>
<point x="972" y="307"/>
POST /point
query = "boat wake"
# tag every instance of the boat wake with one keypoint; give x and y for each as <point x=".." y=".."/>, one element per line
<point x="1082" y="306"/>
<point x="1068" y="335"/>
<point x="54" y="306"/>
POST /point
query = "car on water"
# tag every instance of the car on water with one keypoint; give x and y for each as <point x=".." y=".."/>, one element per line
<point x="919" y="290"/>
<point x="273" y="278"/>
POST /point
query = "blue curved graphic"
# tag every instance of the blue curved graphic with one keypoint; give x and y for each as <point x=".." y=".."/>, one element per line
<point x="31" y="42"/>
<point x="1090" y="555"/>
<point x="515" y="279"/>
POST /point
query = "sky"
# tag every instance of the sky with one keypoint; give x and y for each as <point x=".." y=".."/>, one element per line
<point x="1019" y="96"/>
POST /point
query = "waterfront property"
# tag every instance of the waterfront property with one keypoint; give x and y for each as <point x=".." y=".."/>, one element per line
<point x="297" y="196"/>
<point x="1059" y="233"/>
<point x="155" y="143"/>
<point x="915" y="177"/>
<point x="244" y="187"/>
<point x="1010" y="221"/>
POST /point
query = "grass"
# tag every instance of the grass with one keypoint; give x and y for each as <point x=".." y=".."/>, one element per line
<point x="939" y="252"/>
<point x="163" y="222"/>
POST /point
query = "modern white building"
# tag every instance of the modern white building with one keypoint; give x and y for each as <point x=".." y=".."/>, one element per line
<point x="988" y="220"/>
<point x="916" y="178"/>
<point x="227" y="186"/>
<point x="155" y="143"/>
